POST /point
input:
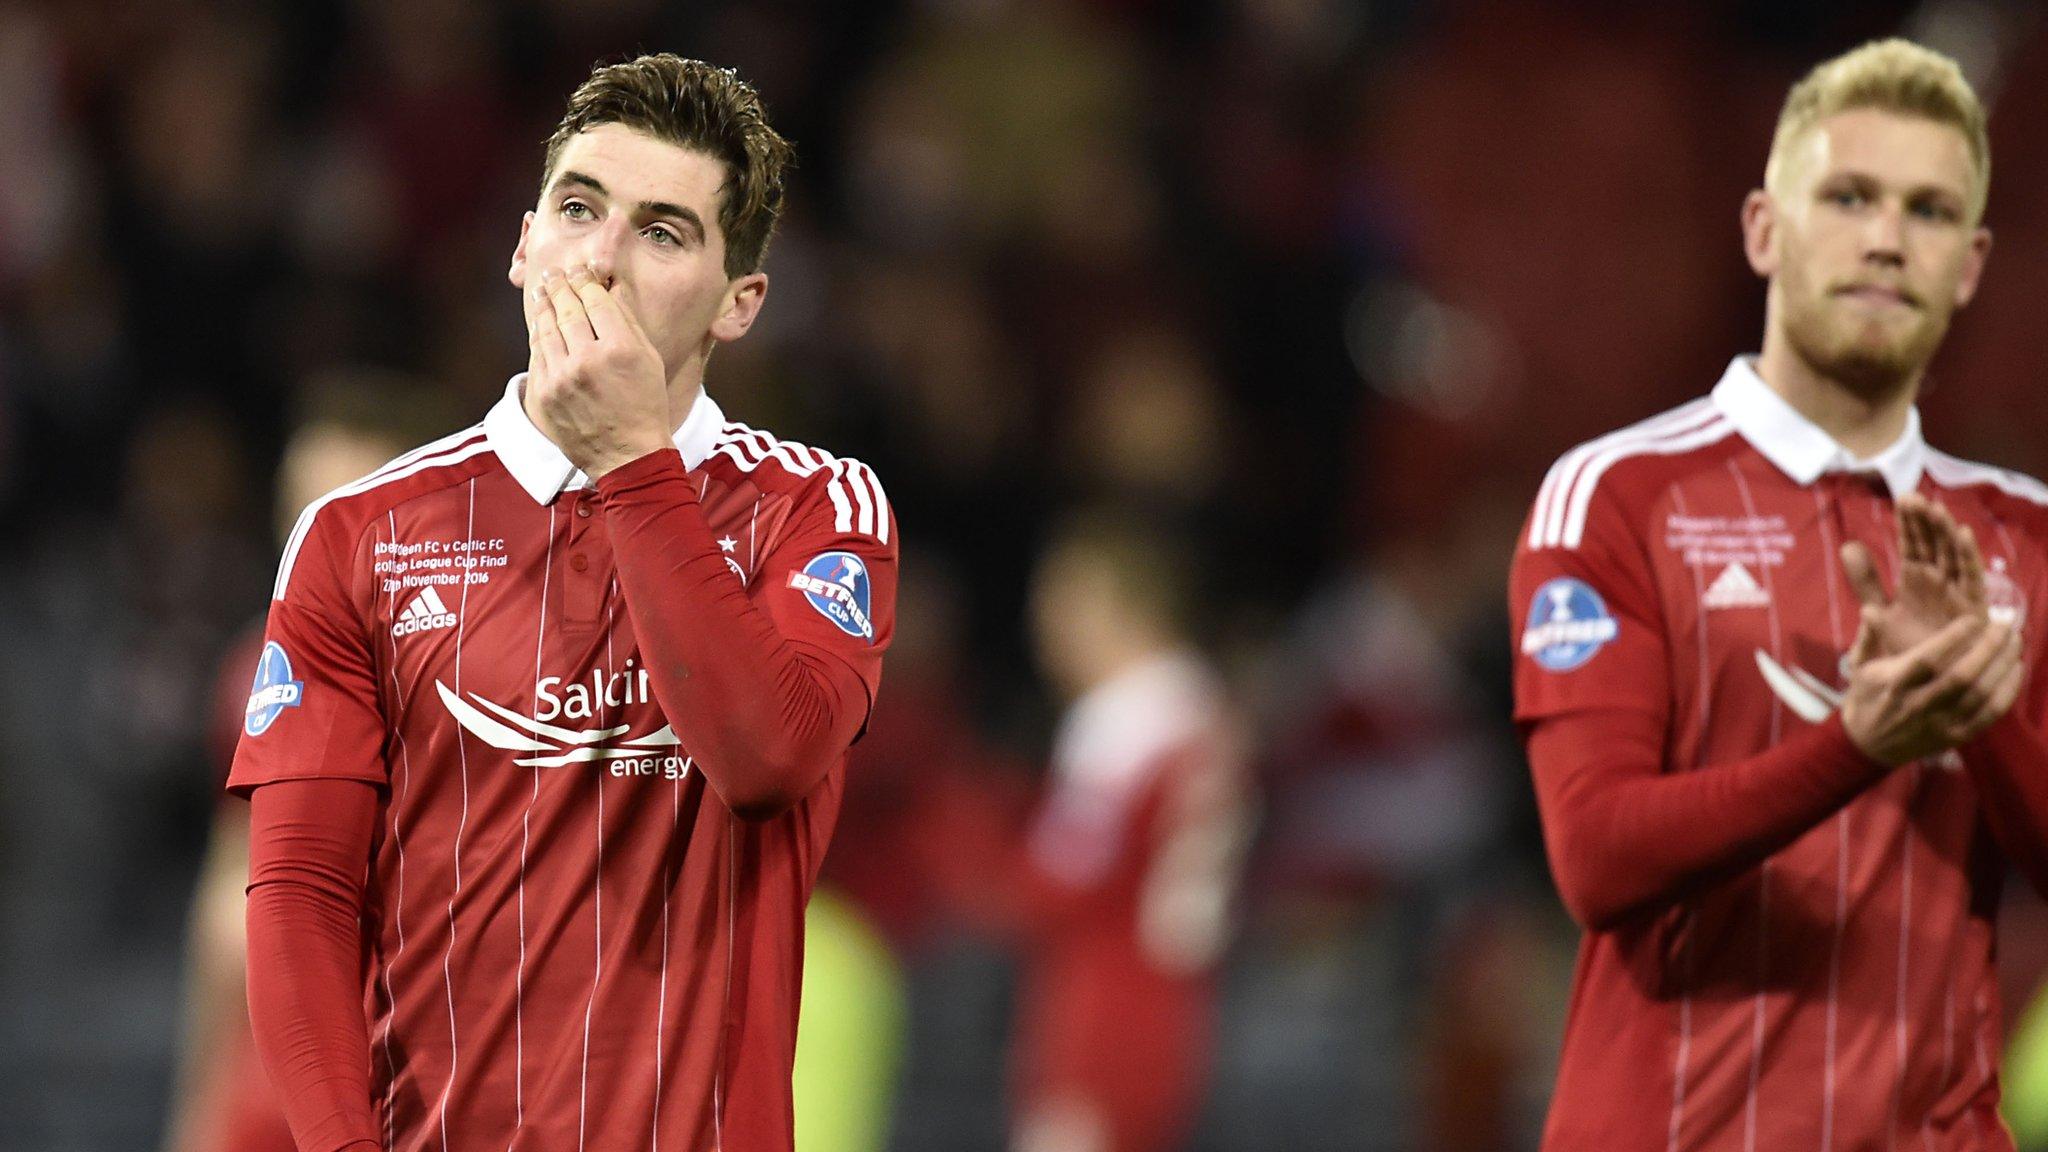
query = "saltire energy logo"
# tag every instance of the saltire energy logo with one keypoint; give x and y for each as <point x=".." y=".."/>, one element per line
<point x="273" y="692"/>
<point x="1568" y="624"/>
<point x="836" y="584"/>
<point x="552" y="746"/>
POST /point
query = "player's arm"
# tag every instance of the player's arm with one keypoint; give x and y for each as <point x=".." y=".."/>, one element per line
<point x="1624" y="836"/>
<point x="766" y="689"/>
<point x="1627" y="835"/>
<point x="310" y="761"/>
<point x="1941" y="577"/>
<point x="768" y="695"/>
<point x="309" y="840"/>
<point x="2009" y="765"/>
<point x="2008" y="762"/>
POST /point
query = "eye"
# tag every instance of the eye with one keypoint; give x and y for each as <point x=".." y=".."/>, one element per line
<point x="663" y="235"/>
<point x="575" y="209"/>
<point x="1844" y="197"/>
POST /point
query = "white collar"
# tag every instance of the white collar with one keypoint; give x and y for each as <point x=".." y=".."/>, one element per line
<point x="542" y="469"/>
<point x="1798" y="446"/>
<point x="1115" y="729"/>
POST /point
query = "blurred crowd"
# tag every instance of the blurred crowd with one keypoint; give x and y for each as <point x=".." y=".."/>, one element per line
<point x="1313" y="288"/>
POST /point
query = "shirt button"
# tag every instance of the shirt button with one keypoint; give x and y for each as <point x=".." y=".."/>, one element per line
<point x="583" y="509"/>
<point x="579" y="562"/>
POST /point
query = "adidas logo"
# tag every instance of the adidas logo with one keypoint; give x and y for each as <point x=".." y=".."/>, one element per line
<point x="1735" y="588"/>
<point x="426" y="613"/>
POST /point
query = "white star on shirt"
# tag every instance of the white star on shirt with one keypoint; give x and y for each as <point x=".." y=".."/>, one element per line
<point x="728" y="544"/>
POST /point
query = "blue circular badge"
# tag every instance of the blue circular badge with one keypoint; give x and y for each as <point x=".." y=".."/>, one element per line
<point x="273" y="692"/>
<point x="1568" y="624"/>
<point x="836" y="584"/>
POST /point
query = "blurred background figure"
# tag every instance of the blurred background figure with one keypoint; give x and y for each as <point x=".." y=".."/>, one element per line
<point x="1315" y="286"/>
<point x="347" y="426"/>
<point x="1122" y="893"/>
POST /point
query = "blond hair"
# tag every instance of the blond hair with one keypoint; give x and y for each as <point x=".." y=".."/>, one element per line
<point x="1896" y="76"/>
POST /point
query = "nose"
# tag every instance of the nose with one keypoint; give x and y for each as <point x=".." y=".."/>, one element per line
<point x="1884" y="234"/>
<point x="600" y="248"/>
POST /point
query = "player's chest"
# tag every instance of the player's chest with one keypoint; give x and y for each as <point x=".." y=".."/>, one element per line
<point x="503" y="618"/>
<point x="1757" y="601"/>
<point x="1736" y="574"/>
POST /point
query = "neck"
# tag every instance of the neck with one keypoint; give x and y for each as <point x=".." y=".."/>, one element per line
<point x="1864" y="422"/>
<point x="686" y="384"/>
<point x="1108" y="663"/>
<point x="682" y="396"/>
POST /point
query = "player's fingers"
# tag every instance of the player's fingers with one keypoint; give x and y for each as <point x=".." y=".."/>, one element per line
<point x="1916" y="541"/>
<point x="1926" y="536"/>
<point x="2012" y="654"/>
<point x="2008" y="692"/>
<point x="1944" y="529"/>
<point x="630" y="322"/>
<point x="544" y="333"/>
<point x="1988" y="659"/>
<point x="598" y="305"/>
<point x="1970" y="564"/>
<point x="529" y="297"/>
<point x="2000" y="688"/>
<point x="1966" y="682"/>
<point x="1862" y="572"/>
<point x="1931" y="657"/>
<point x="569" y="311"/>
<point x="1926" y="532"/>
<point x="633" y="321"/>
<point x="1865" y="647"/>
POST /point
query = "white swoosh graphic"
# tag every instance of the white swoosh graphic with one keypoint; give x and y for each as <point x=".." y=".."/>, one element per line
<point x="1806" y="696"/>
<point x="565" y="735"/>
<point x="1814" y="684"/>
<point x="581" y="755"/>
<point x="486" y="729"/>
<point x="498" y="735"/>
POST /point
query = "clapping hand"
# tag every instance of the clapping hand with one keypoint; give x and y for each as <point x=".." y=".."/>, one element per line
<point x="1928" y="669"/>
<point x="1941" y="578"/>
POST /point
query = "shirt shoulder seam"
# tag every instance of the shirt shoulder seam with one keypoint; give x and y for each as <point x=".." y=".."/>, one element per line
<point x="403" y="468"/>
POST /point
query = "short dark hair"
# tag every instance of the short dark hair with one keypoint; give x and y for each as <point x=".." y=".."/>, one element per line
<point x="376" y="404"/>
<point x="1145" y="557"/>
<point x="699" y="106"/>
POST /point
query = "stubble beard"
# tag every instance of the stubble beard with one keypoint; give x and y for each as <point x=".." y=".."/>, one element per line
<point x="1831" y="341"/>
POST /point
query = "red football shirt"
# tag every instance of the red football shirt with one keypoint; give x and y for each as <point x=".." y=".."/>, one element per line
<point x="1683" y="574"/>
<point x="571" y="942"/>
<point x="1132" y="869"/>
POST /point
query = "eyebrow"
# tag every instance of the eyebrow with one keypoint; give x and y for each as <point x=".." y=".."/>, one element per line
<point x="1910" y="190"/>
<point x="651" y="207"/>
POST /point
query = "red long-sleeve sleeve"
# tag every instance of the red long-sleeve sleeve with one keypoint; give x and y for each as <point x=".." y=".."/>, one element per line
<point x="2009" y="764"/>
<point x="765" y="713"/>
<point x="309" y="848"/>
<point x="1625" y="837"/>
